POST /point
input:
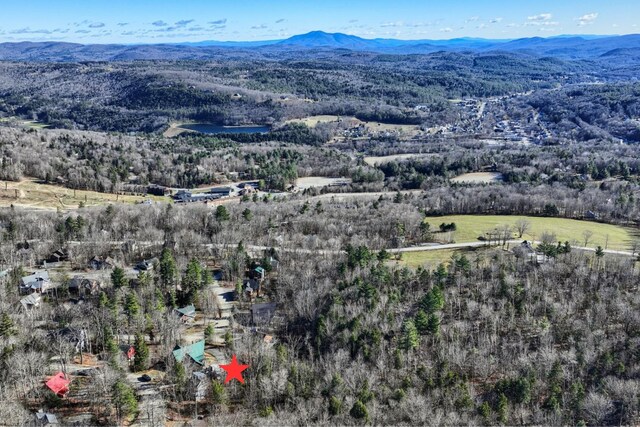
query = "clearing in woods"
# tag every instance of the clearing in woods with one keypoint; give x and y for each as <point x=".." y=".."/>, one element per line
<point x="430" y="259"/>
<point x="30" y="193"/>
<point x="478" y="178"/>
<point x="380" y="160"/>
<point x="470" y="227"/>
<point x="408" y="131"/>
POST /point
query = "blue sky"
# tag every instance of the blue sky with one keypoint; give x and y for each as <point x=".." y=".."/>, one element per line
<point x="162" y="21"/>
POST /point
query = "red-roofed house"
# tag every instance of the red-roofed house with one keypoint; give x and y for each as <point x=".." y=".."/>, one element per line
<point x="131" y="353"/>
<point x="59" y="384"/>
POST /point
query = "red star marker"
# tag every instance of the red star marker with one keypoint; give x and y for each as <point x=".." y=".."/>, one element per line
<point x="234" y="370"/>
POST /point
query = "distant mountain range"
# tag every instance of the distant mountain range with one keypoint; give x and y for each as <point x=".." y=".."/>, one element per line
<point x="564" y="47"/>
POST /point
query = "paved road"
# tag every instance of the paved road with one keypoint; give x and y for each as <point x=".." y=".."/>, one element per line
<point x="421" y="248"/>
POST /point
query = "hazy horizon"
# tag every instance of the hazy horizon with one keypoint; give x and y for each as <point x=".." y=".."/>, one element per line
<point x="270" y="41"/>
<point x="165" y="21"/>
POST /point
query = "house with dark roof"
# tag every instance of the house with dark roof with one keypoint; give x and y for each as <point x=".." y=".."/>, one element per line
<point x="251" y="287"/>
<point x="58" y="256"/>
<point x="147" y="264"/>
<point x="263" y="313"/>
<point x="221" y="191"/>
<point x="82" y="286"/>
<point x="100" y="263"/>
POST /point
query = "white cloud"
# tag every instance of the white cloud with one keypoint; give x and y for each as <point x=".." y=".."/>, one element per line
<point x="587" y="19"/>
<point x="496" y="20"/>
<point x="540" y="18"/>
<point x="473" y="19"/>
<point x="446" y="30"/>
<point x="392" y="24"/>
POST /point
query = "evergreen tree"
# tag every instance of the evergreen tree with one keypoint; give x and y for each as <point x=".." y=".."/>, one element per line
<point x="246" y="214"/>
<point x="118" y="278"/>
<point x="110" y="346"/>
<point x="208" y="332"/>
<point x="144" y="278"/>
<point x="335" y="405"/>
<point x="221" y="213"/>
<point x="485" y="411"/>
<point x="193" y="276"/>
<point x="422" y="322"/>
<point x="433" y="325"/>
<point x="141" y="357"/>
<point x="359" y="411"/>
<point x="502" y="408"/>
<point x="410" y="338"/>
<point x="433" y="300"/>
<point x="180" y="376"/>
<point x="7" y="327"/>
<point x="123" y="399"/>
<point x="168" y="269"/>
<point x="218" y="393"/>
<point x="131" y="305"/>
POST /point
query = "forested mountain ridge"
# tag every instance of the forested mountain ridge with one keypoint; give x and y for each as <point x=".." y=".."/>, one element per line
<point x="561" y="47"/>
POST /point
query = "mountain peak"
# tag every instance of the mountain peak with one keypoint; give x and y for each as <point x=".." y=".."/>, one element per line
<point x="334" y="40"/>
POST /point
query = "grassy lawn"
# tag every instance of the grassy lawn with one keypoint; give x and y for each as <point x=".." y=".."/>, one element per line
<point x="431" y="259"/>
<point x="33" y="194"/>
<point x="470" y="227"/>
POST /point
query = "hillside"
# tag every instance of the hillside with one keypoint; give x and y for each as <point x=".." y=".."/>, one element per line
<point x="574" y="47"/>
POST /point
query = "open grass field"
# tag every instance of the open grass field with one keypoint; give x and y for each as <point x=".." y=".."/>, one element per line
<point x="478" y="178"/>
<point x="31" y="194"/>
<point x="372" y="127"/>
<point x="430" y="259"/>
<point x="470" y="227"/>
<point x="31" y="124"/>
<point x="319" y="181"/>
<point x="312" y="121"/>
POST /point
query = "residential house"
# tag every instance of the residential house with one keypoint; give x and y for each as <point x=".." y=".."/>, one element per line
<point x="30" y="301"/>
<point x="82" y="286"/>
<point x="76" y="337"/>
<point x="58" y="256"/>
<point x="45" y="418"/>
<point x="59" y="384"/>
<point x="258" y="273"/>
<point x="591" y="215"/>
<point x="147" y="265"/>
<point x="187" y="314"/>
<point x="201" y="385"/>
<point x="262" y="314"/>
<point x="37" y="282"/>
<point x="251" y="287"/>
<point x="100" y="263"/>
<point x="194" y="351"/>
